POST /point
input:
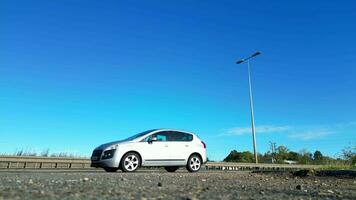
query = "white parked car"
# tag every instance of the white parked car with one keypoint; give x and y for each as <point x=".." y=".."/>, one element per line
<point x="160" y="147"/>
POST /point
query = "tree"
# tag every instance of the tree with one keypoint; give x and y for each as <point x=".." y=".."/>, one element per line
<point x="293" y="156"/>
<point x="265" y="158"/>
<point x="282" y="153"/>
<point x="236" y="156"/>
<point x="233" y="156"/>
<point x="45" y="153"/>
<point x="349" y="155"/>
<point x="318" y="157"/>
<point x="305" y="157"/>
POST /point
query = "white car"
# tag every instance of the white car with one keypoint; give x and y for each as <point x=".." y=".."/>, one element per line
<point x="159" y="147"/>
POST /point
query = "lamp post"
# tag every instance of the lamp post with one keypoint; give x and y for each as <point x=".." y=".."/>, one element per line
<point x="251" y="100"/>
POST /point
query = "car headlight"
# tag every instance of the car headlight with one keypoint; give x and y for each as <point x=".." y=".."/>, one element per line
<point x="108" y="154"/>
<point x="113" y="147"/>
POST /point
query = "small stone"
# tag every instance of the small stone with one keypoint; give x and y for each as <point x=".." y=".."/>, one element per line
<point x="298" y="187"/>
<point x="203" y="179"/>
<point x="262" y="192"/>
<point x="330" y="191"/>
<point x="85" y="179"/>
<point x="30" y="181"/>
<point x="159" y="184"/>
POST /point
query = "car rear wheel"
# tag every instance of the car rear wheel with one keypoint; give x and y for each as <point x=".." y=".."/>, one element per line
<point x="171" y="168"/>
<point x="130" y="162"/>
<point x="194" y="163"/>
<point x="111" y="169"/>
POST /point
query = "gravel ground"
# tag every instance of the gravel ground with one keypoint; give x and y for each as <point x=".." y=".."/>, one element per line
<point x="178" y="185"/>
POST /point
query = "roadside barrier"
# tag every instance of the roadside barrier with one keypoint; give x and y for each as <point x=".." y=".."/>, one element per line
<point x="36" y="162"/>
<point x="231" y="166"/>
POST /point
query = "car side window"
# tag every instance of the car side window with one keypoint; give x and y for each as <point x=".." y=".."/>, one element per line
<point x="161" y="136"/>
<point x="147" y="138"/>
<point x="180" y="137"/>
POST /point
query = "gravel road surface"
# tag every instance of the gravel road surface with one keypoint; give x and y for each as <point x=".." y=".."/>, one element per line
<point x="178" y="185"/>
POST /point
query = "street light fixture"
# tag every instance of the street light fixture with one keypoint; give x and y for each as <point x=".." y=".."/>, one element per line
<point x="251" y="101"/>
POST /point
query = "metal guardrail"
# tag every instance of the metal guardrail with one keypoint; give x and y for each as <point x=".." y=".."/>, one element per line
<point x="252" y="166"/>
<point x="36" y="162"/>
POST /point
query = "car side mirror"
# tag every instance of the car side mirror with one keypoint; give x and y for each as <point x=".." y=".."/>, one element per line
<point x="152" y="139"/>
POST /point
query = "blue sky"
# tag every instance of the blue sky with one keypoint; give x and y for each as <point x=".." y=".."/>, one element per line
<point x="75" y="74"/>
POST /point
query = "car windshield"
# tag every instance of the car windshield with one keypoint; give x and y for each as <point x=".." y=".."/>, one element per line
<point x="139" y="135"/>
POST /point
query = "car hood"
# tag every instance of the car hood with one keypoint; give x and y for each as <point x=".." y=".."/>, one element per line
<point x="107" y="145"/>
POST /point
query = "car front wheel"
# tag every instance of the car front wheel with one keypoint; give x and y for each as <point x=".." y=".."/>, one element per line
<point x="194" y="163"/>
<point x="130" y="162"/>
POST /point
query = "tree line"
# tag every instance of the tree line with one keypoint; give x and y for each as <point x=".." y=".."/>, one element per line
<point x="282" y="154"/>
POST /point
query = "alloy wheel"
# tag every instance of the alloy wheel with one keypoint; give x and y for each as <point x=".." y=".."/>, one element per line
<point x="131" y="162"/>
<point x="195" y="163"/>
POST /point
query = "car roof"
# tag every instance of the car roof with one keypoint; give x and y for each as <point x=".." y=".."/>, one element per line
<point x="167" y="129"/>
<point x="153" y="131"/>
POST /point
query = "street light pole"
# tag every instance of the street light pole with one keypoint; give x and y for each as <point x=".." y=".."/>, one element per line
<point x="251" y="102"/>
<point x="252" y="113"/>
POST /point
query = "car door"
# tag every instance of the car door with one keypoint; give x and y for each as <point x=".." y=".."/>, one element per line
<point x="180" y="147"/>
<point x="155" y="153"/>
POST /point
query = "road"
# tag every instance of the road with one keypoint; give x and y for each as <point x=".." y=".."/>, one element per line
<point x="163" y="185"/>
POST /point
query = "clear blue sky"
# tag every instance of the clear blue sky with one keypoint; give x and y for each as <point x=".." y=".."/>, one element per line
<point x="75" y="74"/>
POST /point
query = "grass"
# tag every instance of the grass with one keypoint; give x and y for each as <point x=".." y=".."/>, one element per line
<point x="338" y="167"/>
<point x="44" y="153"/>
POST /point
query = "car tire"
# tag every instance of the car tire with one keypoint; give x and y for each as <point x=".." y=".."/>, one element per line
<point x="111" y="169"/>
<point x="194" y="163"/>
<point x="130" y="162"/>
<point x="171" y="168"/>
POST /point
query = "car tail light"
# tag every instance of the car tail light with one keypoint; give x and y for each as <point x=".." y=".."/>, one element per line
<point x="204" y="145"/>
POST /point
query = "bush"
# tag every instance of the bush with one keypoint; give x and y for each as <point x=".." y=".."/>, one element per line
<point x="236" y="156"/>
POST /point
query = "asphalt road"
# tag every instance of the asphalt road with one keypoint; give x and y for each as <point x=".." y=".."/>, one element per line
<point x="178" y="185"/>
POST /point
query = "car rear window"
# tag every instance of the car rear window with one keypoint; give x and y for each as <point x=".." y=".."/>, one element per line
<point x="180" y="137"/>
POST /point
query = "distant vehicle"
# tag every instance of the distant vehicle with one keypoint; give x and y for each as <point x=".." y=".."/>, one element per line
<point x="170" y="149"/>
<point x="290" y="162"/>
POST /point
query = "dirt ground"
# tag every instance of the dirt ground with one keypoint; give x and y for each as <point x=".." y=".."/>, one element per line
<point x="178" y="185"/>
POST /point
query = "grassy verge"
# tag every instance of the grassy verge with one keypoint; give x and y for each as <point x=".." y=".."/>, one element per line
<point x="44" y="153"/>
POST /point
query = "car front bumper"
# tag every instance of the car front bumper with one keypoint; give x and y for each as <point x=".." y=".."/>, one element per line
<point x="104" y="163"/>
<point x="98" y="161"/>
